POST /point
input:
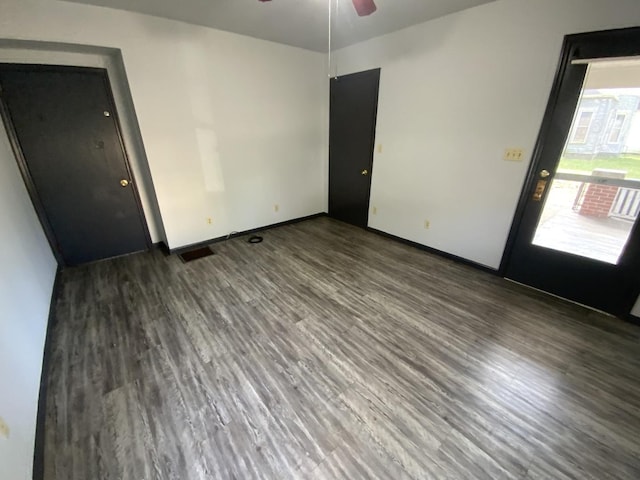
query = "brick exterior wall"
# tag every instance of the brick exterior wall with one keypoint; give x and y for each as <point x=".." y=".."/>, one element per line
<point x="598" y="200"/>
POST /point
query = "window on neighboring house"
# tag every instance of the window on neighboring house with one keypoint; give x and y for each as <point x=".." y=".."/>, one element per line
<point x="581" y="129"/>
<point x="616" y="128"/>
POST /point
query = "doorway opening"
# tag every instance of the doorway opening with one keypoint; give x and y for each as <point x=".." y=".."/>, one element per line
<point x="352" y="128"/>
<point x="575" y="233"/>
<point x="66" y="136"/>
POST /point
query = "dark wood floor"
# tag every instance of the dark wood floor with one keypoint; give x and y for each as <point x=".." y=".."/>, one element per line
<point x="327" y="352"/>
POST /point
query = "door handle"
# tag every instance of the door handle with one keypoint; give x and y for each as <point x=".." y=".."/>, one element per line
<point x="544" y="174"/>
<point x="124" y="182"/>
<point x="365" y="172"/>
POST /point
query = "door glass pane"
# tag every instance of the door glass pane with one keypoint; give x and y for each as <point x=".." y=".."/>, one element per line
<point x="594" y="197"/>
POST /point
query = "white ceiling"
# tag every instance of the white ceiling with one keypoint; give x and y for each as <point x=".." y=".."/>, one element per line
<point x="301" y="23"/>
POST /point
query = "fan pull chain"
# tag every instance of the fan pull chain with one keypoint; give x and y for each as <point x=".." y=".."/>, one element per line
<point x="330" y="19"/>
<point x="333" y="61"/>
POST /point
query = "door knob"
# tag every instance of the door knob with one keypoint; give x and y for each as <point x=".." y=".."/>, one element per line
<point x="365" y="172"/>
<point x="124" y="182"/>
<point x="544" y="173"/>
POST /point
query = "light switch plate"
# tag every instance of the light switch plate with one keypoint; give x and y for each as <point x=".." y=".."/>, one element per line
<point x="4" y="428"/>
<point x="513" y="155"/>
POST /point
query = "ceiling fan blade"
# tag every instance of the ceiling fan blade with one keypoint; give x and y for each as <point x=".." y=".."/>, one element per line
<point x="364" y="7"/>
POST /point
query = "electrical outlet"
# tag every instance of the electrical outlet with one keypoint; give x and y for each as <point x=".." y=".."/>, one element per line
<point x="513" y="154"/>
<point x="276" y="208"/>
<point x="427" y="224"/>
<point x="4" y="428"/>
<point x="209" y="220"/>
<point x="374" y="210"/>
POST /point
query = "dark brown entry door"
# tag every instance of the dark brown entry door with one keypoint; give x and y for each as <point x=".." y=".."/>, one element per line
<point x="354" y="106"/>
<point x="578" y="234"/>
<point x="65" y="129"/>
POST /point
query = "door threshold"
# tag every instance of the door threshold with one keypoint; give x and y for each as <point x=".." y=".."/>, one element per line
<point x="561" y="298"/>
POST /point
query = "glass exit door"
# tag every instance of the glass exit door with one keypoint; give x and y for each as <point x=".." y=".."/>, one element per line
<point x="578" y="236"/>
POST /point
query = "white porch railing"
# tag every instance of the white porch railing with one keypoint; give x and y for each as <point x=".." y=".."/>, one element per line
<point x="626" y="204"/>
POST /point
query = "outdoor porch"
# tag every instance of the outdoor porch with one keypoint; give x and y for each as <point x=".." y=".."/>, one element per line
<point x="568" y="225"/>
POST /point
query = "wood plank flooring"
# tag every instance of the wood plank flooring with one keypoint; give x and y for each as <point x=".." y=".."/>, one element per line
<point x="327" y="352"/>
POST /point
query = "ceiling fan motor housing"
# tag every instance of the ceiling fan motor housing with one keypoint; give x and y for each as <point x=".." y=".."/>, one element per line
<point x="364" y="7"/>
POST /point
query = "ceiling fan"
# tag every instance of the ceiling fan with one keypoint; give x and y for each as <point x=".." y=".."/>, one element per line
<point x="363" y="7"/>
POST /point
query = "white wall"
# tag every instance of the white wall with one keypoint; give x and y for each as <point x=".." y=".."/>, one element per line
<point x="231" y="125"/>
<point x="454" y="93"/>
<point x="26" y="279"/>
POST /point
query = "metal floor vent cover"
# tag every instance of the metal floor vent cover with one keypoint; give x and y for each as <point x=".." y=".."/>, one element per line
<point x="192" y="255"/>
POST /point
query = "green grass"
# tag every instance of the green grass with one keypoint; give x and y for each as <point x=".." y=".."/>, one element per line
<point x="629" y="163"/>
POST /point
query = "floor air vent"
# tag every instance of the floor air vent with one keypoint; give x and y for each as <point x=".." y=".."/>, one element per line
<point x="192" y="255"/>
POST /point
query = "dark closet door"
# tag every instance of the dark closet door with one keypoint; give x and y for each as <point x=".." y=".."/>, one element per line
<point x="354" y="106"/>
<point x="65" y="129"/>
